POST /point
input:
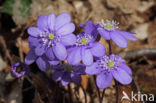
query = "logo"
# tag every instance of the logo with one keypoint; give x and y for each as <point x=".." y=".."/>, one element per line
<point x="137" y="96"/>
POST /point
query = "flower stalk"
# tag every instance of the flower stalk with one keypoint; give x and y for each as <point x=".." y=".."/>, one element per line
<point x="70" y="94"/>
<point x="116" y="83"/>
<point x="98" y="90"/>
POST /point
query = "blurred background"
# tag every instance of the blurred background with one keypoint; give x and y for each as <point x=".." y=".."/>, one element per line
<point x="16" y="16"/>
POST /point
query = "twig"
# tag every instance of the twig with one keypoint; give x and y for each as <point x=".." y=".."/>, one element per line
<point x="85" y="95"/>
<point x="5" y="50"/>
<point x="19" y="40"/>
<point x="76" y="93"/>
<point x="149" y="52"/>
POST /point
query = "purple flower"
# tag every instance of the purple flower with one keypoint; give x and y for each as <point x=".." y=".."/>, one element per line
<point x="49" y="39"/>
<point x="19" y="70"/>
<point x="109" y="30"/>
<point x="108" y="67"/>
<point x="86" y="47"/>
<point x="42" y="61"/>
<point x="66" y="73"/>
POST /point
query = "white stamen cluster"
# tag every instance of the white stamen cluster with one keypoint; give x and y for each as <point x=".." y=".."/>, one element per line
<point x="44" y="39"/>
<point x="54" y="41"/>
<point x="47" y="41"/>
<point x="105" y="60"/>
<point x="109" y="25"/>
<point x="87" y="38"/>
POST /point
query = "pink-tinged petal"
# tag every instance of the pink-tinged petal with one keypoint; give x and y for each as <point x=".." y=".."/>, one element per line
<point x="122" y="76"/>
<point x="126" y="68"/>
<point x="42" y="22"/>
<point x="68" y="39"/>
<point x="51" y="21"/>
<point x="74" y="57"/>
<point x="66" y="29"/>
<point x="57" y="75"/>
<point x="92" y="69"/>
<point x="103" y="80"/>
<point x="87" y="57"/>
<point x="34" y="31"/>
<point x="39" y="50"/>
<point x="61" y="20"/>
<point x="60" y="51"/>
<point x="118" y="39"/>
<point x="104" y="33"/>
<point x="128" y="35"/>
<point x="31" y="57"/>
<point x="98" y="49"/>
<point x="49" y="53"/>
<point x="42" y="64"/>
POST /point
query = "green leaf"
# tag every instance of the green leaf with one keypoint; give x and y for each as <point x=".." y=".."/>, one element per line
<point x="8" y="7"/>
<point x="25" y="8"/>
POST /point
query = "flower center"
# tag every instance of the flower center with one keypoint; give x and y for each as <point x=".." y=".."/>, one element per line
<point x="51" y="36"/>
<point x="49" y="39"/>
<point x="108" y="26"/>
<point x="110" y="63"/>
<point x="83" y="41"/>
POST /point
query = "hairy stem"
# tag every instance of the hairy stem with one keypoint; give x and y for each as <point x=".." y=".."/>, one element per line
<point x="117" y="91"/>
<point x="70" y="94"/>
<point x="103" y="94"/>
<point x="110" y="48"/>
<point x="116" y="83"/>
<point x="98" y="91"/>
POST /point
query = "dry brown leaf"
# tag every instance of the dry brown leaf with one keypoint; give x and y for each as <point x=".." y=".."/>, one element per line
<point x="37" y="98"/>
<point x="84" y="81"/>
<point x="25" y="46"/>
<point x="7" y="69"/>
